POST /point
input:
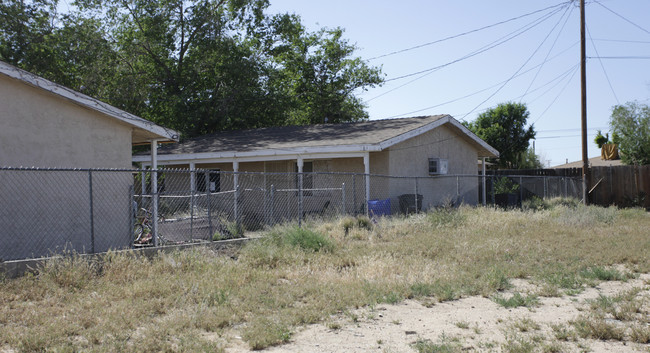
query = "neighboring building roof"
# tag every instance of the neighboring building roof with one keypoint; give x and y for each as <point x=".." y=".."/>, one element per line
<point x="374" y="135"/>
<point x="593" y="162"/>
<point x="144" y="130"/>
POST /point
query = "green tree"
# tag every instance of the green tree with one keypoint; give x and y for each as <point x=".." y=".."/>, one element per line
<point x="630" y="126"/>
<point x="320" y="73"/>
<point x="529" y="160"/>
<point x="196" y="66"/>
<point x="504" y="128"/>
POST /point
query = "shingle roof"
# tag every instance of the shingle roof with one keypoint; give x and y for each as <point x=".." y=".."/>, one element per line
<point x="372" y="132"/>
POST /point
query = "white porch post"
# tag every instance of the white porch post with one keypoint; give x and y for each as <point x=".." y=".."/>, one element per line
<point x="192" y="177"/>
<point x="366" y="165"/>
<point x="300" y="162"/>
<point x="483" y="181"/>
<point x="235" y="168"/>
<point x="154" y="190"/>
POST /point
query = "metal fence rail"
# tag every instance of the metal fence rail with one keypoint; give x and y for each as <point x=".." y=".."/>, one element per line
<point x="47" y="211"/>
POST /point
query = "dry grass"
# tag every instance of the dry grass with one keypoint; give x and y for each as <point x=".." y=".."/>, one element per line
<point x="196" y="301"/>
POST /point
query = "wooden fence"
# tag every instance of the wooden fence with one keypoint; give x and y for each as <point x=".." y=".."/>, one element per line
<point x="622" y="186"/>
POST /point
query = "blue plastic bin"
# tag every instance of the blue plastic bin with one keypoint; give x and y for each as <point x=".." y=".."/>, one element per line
<point x="379" y="207"/>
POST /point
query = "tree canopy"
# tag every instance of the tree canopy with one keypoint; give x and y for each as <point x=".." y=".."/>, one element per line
<point x="504" y="128"/>
<point x="196" y="66"/>
<point x="630" y="127"/>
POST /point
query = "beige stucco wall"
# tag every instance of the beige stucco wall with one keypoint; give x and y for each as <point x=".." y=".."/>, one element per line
<point x="410" y="158"/>
<point x="43" y="130"/>
<point x="47" y="211"/>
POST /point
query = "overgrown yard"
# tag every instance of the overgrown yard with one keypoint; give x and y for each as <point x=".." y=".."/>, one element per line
<point x="196" y="300"/>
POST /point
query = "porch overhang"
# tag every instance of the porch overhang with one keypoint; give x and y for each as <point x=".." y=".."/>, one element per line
<point x="253" y="156"/>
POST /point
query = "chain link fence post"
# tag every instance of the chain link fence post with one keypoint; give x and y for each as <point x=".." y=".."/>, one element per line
<point x="343" y="198"/>
<point x="521" y="190"/>
<point x="272" y="216"/>
<point x="300" y="205"/>
<point x="132" y="213"/>
<point x="92" y="212"/>
<point x="208" y="206"/>
<point x="416" y="196"/>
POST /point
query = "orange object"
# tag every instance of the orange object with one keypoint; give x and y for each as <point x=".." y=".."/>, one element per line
<point x="609" y="151"/>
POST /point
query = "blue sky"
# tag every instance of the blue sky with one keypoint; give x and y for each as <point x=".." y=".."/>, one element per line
<point x="538" y="66"/>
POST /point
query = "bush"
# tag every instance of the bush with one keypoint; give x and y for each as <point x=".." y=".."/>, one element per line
<point x="305" y="239"/>
<point x="535" y="203"/>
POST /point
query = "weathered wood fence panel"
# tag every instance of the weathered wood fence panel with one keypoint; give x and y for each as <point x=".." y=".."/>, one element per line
<point x="621" y="186"/>
<point x="613" y="185"/>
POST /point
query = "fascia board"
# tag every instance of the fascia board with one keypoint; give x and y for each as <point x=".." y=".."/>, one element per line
<point x="312" y="156"/>
<point x="428" y="127"/>
<point x="475" y="138"/>
<point x="415" y="132"/>
<point x="270" y="154"/>
<point x="86" y="101"/>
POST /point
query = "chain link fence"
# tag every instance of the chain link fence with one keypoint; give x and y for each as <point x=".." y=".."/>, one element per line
<point x="49" y="211"/>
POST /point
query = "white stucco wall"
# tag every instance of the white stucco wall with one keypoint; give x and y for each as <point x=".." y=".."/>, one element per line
<point x="40" y="129"/>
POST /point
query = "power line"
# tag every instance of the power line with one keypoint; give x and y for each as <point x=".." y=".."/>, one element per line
<point x="490" y="87"/>
<point x="570" y="72"/>
<point x="576" y="129"/>
<point x="620" y="57"/>
<point x="468" y="32"/>
<point x="621" y="41"/>
<point x="625" y="19"/>
<point x="549" y="51"/>
<point x="603" y="67"/>
<point x="558" y="95"/>
<point x="476" y="52"/>
<point x="498" y="42"/>
<point x="516" y="72"/>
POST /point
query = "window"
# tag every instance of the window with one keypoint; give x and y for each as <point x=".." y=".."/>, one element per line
<point x="215" y="181"/>
<point x="438" y="166"/>
<point x="307" y="178"/>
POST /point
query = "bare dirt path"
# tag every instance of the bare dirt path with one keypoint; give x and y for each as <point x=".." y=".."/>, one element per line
<point x="473" y="324"/>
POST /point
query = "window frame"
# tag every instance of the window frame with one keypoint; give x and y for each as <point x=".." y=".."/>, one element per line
<point x="442" y="166"/>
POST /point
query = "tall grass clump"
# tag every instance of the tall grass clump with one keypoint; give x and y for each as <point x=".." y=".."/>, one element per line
<point x="446" y="216"/>
<point x="581" y="215"/>
<point x="70" y="271"/>
<point x="305" y="239"/>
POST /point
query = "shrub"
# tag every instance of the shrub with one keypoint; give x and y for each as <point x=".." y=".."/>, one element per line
<point x="504" y="185"/>
<point x="306" y="239"/>
<point x="517" y="300"/>
<point x="446" y="217"/>
<point x="535" y="203"/>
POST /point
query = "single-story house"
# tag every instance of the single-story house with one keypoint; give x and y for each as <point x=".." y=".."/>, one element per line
<point x="46" y="125"/>
<point x="427" y="147"/>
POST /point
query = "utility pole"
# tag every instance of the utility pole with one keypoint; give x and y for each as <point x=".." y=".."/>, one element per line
<point x="583" y="83"/>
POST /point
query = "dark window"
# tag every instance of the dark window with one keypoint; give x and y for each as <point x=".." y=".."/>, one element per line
<point x="433" y="166"/>
<point x="438" y="166"/>
<point x="215" y="181"/>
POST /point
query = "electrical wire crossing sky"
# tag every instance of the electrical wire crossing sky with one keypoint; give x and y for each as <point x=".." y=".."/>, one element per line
<point x="464" y="57"/>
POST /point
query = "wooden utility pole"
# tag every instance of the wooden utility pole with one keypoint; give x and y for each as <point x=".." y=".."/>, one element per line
<point x="583" y="83"/>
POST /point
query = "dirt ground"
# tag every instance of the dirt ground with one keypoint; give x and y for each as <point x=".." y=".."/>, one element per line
<point x="472" y="324"/>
